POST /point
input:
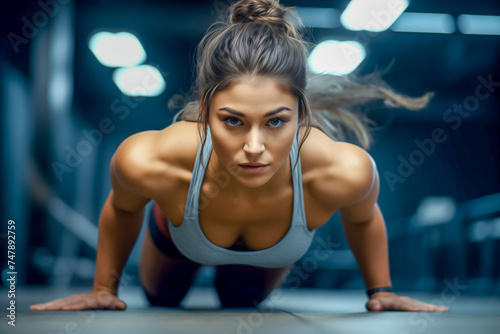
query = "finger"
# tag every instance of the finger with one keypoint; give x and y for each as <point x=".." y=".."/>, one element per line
<point x="58" y="304"/>
<point x="36" y="307"/>
<point x="54" y="304"/>
<point x="412" y="305"/>
<point x="120" y="305"/>
<point x="442" y="309"/>
<point x="427" y="307"/>
<point x="432" y="308"/>
<point x="44" y="306"/>
<point x="373" y="305"/>
<point x="76" y="306"/>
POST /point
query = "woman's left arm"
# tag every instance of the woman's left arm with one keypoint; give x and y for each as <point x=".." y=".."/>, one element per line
<point x="365" y="231"/>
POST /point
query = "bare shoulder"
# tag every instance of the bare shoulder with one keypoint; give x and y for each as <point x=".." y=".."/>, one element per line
<point x="156" y="162"/>
<point x="178" y="144"/>
<point x="337" y="174"/>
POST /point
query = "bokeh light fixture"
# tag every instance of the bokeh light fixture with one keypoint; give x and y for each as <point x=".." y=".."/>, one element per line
<point x="122" y="49"/>
<point x="336" y="57"/>
<point x="143" y="80"/>
<point x="425" y="23"/>
<point x="479" y="24"/>
<point x="372" y="15"/>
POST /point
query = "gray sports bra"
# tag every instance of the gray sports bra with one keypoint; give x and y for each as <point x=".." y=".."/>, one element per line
<point x="190" y="240"/>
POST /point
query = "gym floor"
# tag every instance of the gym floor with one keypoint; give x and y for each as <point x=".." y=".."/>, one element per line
<point x="285" y="311"/>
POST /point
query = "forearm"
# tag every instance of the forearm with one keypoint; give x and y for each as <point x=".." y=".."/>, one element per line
<point x="118" y="232"/>
<point x="368" y="242"/>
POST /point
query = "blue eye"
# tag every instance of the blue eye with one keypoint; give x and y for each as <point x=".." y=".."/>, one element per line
<point x="230" y="119"/>
<point x="276" y="122"/>
<point x="281" y="122"/>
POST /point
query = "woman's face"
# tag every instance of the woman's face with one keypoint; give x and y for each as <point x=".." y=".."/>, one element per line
<point x="253" y="122"/>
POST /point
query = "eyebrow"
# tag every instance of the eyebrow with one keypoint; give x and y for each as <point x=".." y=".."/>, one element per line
<point x="266" y="115"/>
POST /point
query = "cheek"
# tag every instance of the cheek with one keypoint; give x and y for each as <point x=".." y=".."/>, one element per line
<point x="284" y="150"/>
<point x="226" y="148"/>
<point x="280" y="149"/>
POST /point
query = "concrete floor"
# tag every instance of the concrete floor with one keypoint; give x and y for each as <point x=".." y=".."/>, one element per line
<point x="287" y="311"/>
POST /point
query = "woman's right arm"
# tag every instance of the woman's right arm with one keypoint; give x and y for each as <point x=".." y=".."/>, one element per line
<point x="119" y="226"/>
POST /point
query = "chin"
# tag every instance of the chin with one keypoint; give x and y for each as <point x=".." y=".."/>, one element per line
<point x="253" y="183"/>
<point x="255" y="180"/>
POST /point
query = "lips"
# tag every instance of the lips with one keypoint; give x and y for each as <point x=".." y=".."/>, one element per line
<point x="253" y="168"/>
<point x="254" y="165"/>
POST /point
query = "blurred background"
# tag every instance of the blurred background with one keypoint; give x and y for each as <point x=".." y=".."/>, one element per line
<point x="78" y="77"/>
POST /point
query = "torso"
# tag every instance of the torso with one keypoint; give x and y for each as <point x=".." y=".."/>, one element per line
<point x="226" y="221"/>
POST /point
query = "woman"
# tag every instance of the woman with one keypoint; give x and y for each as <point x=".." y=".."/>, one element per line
<point x="230" y="179"/>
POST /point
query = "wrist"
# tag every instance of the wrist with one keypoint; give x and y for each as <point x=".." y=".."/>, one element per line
<point x="104" y="290"/>
<point x="380" y="291"/>
<point x="382" y="294"/>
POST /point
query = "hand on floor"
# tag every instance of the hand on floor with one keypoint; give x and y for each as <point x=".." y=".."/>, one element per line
<point x="384" y="302"/>
<point x="85" y="301"/>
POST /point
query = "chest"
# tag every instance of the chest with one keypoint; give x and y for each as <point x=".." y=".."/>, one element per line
<point x="259" y="223"/>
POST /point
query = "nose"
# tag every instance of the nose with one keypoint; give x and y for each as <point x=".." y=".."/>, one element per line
<point x="254" y="143"/>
